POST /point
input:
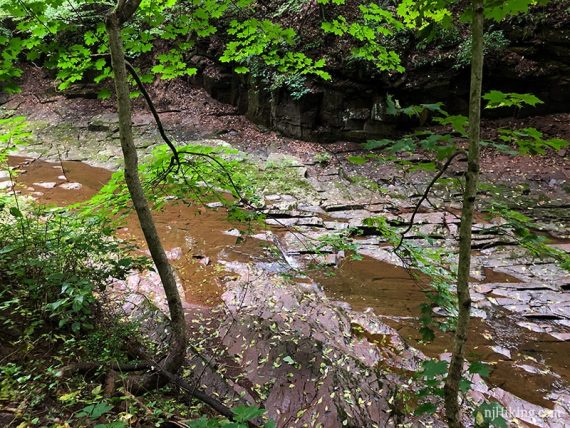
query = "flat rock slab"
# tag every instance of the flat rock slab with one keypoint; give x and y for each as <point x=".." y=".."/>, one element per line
<point x="343" y="206"/>
<point x="279" y="212"/>
<point x="383" y="255"/>
<point x="283" y="160"/>
<point x="303" y="242"/>
<point x="314" y="209"/>
<point x="350" y="214"/>
<point x="425" y="218"/>
<point x="563" y="337"/>
<point x="489" y="287"/>
<point x="336" y="225"/>
<point x="45" y="184"/>
<point x="71" y="186"/>
<point x="300" y="349"/>
<point x="104" y="123"/>
<point x="282" y="222"/>
<point x="295" y="221"/>
<point x="563" y="247"/>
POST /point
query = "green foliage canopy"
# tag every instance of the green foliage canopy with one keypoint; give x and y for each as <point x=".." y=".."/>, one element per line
<point x="69" y="37"/>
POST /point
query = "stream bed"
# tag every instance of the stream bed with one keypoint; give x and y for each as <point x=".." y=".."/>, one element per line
<point x="529" y="352"/>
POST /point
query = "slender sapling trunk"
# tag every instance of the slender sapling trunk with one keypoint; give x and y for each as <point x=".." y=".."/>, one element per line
<point x="178" y="343"/>
<point x="464" y="265"/>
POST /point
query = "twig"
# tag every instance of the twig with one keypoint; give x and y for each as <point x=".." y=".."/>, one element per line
<point x="61" y="166"/>
<point x="86" y="367"/>
<point x="425" y="195"/>
<point x="152" y="108"/>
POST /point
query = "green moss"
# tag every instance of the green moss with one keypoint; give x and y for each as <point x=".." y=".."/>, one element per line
<point x="275" y="177"/>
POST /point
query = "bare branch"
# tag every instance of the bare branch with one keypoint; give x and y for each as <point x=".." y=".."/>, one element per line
<point x="426" y="193"/>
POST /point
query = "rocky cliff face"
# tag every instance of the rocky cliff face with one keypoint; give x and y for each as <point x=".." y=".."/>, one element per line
<point x="531" y="55"/>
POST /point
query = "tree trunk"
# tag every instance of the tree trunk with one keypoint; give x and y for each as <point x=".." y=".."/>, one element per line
<point x="178" y="343"/>
<point x="464" y="299"/>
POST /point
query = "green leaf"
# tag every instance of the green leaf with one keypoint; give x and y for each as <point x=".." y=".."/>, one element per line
<point x="104" y="94"/>
<point x="480" y="368"/>
<point x="428" y="335"/>
<point x="247" y="413"/>
<point x="94" y="411"/>
<point x="557" y="143"/>
<point x="499" y="10"/>
<point x="377" y="144"/>
<point x="100" y="64"/>
<point x="434" y="368"/>
<point x="16" y="212"/>
<point x="69" y="397"/>
<point x="392" y="105"/>
<point x="8" y="249"/>
<point x="498" y="99"/>
<point x="436" y="107"/>
<point x="425" y="408"/>
<point x="464" y="385"/>
<point x="204" y="422"/>
<point x="458" y="123"/>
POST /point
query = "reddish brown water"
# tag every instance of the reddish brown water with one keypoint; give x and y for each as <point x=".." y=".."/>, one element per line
<point x="492" y="277"/>
<point x="390" y="291"/>
<point x="32" y="173"/>
<point x="199" y="234"/>
<point x="393" y="293"/>
<point x="195" y="234"/>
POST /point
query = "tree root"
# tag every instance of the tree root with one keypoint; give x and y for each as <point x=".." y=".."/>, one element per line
<point x="111" y="380"/>
<point x="88" y="367"/>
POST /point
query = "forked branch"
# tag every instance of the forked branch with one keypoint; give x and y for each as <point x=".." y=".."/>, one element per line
<point x="426" y="193"/>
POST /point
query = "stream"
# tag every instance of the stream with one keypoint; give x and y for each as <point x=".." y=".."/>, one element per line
<point x="529" y="355"/>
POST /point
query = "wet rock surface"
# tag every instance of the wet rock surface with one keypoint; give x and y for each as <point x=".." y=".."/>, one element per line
<point x="522" y="303"/>
<point x="299" y="348"/>
<point x="281" y="333"/>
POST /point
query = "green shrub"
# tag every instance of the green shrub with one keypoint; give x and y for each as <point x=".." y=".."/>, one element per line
<point x="52" y="265"/>
<point x="495" y="41"/>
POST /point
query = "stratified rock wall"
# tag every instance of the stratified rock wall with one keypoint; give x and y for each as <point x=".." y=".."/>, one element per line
<point x="352" y="106"/>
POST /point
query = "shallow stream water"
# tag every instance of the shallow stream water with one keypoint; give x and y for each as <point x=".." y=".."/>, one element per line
<point x="198" y="238"/>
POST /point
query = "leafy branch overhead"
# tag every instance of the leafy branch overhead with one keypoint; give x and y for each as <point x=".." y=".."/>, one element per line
<point x="527" y="141"/>
<point x="65" y="36"/>
<point x="371" y="31"/>
<point x="70" y="38"/>
<point x="262" y="39"/>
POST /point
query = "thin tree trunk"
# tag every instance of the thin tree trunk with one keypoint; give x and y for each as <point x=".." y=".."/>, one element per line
<point x="177" y="350"/>
<point x="464" y="299"/>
